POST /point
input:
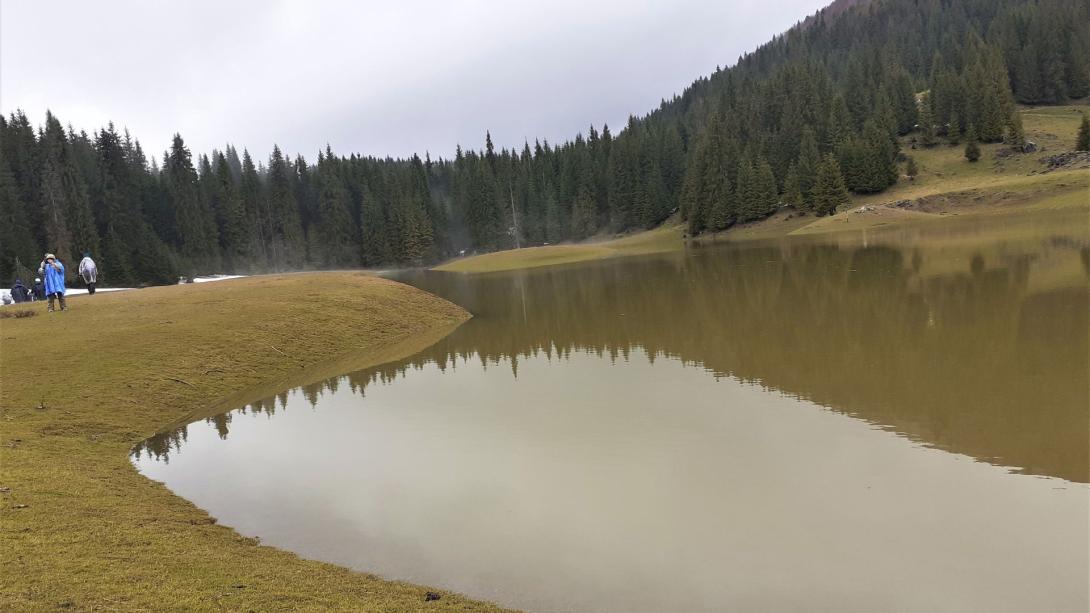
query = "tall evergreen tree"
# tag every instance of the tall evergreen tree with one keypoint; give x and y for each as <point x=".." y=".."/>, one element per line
<point x="972" y="149"/>
<point x="199" y="246"/>
<point x="287" y="246"/>
<point x="829" y="190"/>
<point x="1082" y="141"/>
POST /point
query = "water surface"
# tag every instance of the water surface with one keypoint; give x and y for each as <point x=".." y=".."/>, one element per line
<point x="896" y="420"/>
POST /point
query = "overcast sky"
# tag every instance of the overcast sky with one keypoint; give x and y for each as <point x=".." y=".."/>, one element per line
<point x="379" y="78"/>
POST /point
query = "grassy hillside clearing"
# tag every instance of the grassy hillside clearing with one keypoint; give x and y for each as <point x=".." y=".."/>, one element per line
<point x="1002" y="182"/>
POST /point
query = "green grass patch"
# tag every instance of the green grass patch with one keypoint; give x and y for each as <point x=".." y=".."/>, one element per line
<point x="665" y="238"/>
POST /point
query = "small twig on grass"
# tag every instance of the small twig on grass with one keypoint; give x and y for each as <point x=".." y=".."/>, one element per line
<point x="180" y="381"/>
<point x="210" y="370"/>
<point x="301" y="365"/>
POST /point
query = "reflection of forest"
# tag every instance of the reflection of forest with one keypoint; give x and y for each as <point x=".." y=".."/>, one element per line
<point x="968" y="361"/>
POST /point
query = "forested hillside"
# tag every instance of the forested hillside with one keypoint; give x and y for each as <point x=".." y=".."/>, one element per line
<point x="809" y="117"/>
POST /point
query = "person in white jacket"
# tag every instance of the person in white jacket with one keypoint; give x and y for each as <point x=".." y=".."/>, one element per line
<point x="89" y="271"/>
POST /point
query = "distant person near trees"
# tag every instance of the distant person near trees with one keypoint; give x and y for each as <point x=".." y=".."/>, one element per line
<point x="37" y="291"/>
<point x="89" y="271"/>
<point x="19" y="292"/>
<point x="53" y="270"/>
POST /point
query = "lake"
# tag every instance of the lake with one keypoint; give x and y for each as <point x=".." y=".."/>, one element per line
<point x="884" y="420"/>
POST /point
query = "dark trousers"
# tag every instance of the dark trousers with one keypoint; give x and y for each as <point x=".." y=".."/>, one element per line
<point x="91" y="287"/>
<point x="59" y="296"/>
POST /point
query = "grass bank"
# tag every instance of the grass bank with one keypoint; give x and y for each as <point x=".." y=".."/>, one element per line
<point x="81" y="529"/>
<point x="947" y="185"/>
<point x="665" y="238"/>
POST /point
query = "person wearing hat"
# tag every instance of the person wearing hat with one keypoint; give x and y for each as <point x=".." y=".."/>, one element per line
<point x="37" y="291"/>
<point x="53" y="271"/>
<point x="89" y="271"/>
<point x="19" y="292"/>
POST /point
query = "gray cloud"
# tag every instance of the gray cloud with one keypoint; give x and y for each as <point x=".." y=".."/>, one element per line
<point x="378" y="78"/>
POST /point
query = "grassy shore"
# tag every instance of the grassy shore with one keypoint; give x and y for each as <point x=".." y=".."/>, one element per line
<point x="81" y="529"/>
<point x="947" y="185"/>
<point x="665" y="238"/>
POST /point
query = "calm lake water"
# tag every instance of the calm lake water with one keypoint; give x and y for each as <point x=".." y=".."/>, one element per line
<point x="884" y="421"/>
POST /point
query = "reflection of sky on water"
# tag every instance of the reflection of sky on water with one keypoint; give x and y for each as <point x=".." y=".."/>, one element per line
<point x="561" y="451"/>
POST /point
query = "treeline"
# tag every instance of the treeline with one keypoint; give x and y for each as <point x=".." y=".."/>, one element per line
<point x="815" y="114"/>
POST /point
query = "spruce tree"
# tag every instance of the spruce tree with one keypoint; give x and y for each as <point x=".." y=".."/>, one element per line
<point x="1016" y="134"/>
<point x="198" y="247"/>
<point x="233" y="234"/>
<point x="792" y="193"/>
<point x="745" y="193"/>
<point x="954" y="130"/>
<point x="829" y="191"/>
<point x="766" y="195"/>
<point x="288" y="244"/>
<point x="808" y="162"/>
<point x="1082" y="142"/>
<point x="339" y="247"/>
<point x="911" y="169"/>
<point x="255" y="212"/>
<point x="972" y="149"/>
<point x="926" y="123"/>
<point x="720" y="210"/>
<point x="16" y="240"/>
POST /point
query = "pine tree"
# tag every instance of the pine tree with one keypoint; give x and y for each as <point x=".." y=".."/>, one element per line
<point x="1082" y="142"/>
<point x="233" y="234"/>
<point x="792" y="193"/>
<point x="972" y="149"/>
<point x="926" y="123"/>
<point x="954" y="130"/>
<point x="16" y="241"/>
<point x="766" y="196"/>
<point x="829" y="191"/>
<point x="1016" y="134"/>
<point x="911" y="169"/>
<point x="287" y="244"/>
<point x="255" y="212"/>
<point x="808" y="162"/>
<point x="198" y="247"/>
<point x="583" y="214"/>
<point x="335" y="225"/>
<point x="720" y="209"/>
<point x="69" y="221"/>
<point x="745" y="192"/>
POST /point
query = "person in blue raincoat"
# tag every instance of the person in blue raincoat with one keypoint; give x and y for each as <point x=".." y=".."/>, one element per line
<point x="53" y="271"/>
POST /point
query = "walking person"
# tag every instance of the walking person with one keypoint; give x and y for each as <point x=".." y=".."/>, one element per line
<point x="37" y="291"/>
<point x="19" y="292"/>
<point x="89" y="271"/>
<point x="53" y="271"/>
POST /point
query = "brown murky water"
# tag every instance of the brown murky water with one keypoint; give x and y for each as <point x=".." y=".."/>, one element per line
<point x="891" y="421"/>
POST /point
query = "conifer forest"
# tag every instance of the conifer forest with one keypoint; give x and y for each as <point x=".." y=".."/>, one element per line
<point x="818" y="113"/>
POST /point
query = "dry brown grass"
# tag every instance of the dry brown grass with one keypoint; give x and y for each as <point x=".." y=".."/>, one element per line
<point x="81" y="529"/>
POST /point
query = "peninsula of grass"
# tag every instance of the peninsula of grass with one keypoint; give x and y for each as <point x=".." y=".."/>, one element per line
<point x="1000" y="183"/>
<point x="664" y="238"/>
<point x="81" y="529"/>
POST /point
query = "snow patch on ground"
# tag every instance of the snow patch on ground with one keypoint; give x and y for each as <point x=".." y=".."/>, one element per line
<point x="216" y="278"/>
<point x="78" y="291"/>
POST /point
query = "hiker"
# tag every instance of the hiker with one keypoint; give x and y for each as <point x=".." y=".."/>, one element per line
<point x="53" y="271"/>
<point x="88" y="271"/>
<point x="37" y="291"/>
<point x="19" y="292"/>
